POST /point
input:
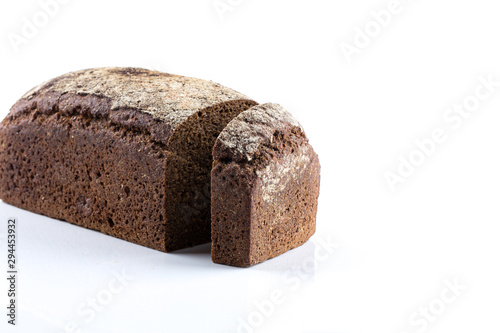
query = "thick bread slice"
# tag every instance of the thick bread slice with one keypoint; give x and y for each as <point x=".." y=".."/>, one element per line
<point x="265" y="187"/>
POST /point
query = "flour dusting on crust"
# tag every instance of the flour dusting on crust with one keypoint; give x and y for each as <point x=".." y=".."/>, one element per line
<point x="171" y="98"/>
<point x="251" y="128"/>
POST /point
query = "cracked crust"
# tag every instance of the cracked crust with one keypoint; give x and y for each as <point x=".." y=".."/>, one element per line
<point x="167" y="97"/>
<point x="245" y="135"/>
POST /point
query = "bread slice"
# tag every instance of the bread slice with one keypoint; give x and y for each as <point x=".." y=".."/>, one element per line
<point x="124" y="151"/>
<point x="265" y="186"/>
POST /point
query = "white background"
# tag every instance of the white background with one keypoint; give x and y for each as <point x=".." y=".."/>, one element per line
<point x="396" y="249"/>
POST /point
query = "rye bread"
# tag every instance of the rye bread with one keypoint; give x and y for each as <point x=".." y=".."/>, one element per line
<point x="125" y="151"/>
<point x="265" y="186"/>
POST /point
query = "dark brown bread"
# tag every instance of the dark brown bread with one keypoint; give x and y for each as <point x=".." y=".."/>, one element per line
<point x="265" y="186"/>
<point x="124" y="151"/>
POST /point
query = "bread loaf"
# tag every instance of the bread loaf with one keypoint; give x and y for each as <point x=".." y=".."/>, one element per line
<point x="124" y="151"/>
<point x="163" y="161"/>
<point x="265" y="186"/>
